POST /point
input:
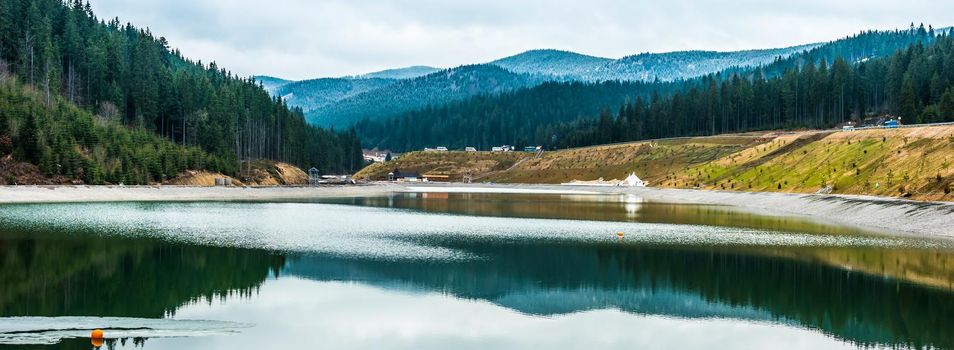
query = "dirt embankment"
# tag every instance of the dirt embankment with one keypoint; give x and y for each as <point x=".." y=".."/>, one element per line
<point x="13" y="172"/>
<point x="912" y="162"/>
<point x="258" y="173"/>
<point x="457" y="165"/>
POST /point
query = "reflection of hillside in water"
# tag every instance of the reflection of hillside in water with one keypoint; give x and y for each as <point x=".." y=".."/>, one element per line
<point x="74" y="274"/>
<point x="599" y="207"/>
<point x="933" y="268"/>
<point x="690" y="283"/>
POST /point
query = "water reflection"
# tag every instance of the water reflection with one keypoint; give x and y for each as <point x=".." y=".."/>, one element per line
<point x="863" y="295"/>
<point x="686" y="283"/>
<point x="52" y="273"/>
<point x="598" y="207"/>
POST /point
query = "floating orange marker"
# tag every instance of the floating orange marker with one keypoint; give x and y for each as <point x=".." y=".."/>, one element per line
<point x="619" y="234"/>
<point x="96" y="338"/>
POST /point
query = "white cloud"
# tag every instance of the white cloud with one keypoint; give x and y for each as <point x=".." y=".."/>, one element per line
<point x="311" y="38"/>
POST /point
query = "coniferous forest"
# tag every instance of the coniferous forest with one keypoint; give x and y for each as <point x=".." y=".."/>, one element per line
<point x="107" y="102"/>
<point x="907" y="73"/>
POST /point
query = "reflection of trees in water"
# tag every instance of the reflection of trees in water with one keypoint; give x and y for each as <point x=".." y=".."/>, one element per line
<point x="56" y="274"/>
<point x="84" y="343"/>
<point x="554" y="278"/>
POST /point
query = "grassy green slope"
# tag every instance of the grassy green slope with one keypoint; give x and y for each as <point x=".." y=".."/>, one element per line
<point x="915" y="162"/>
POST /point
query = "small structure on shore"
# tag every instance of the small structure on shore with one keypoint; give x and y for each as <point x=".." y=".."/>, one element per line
<point x="223" y="182"/>
<point x="633" y="181"/>
<point x="436" y="177"/>
<point x="398" y="175"/>
<point x="313" y="177"/>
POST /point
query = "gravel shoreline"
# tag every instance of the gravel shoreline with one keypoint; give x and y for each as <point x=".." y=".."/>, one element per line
<point x="897" y="216"/>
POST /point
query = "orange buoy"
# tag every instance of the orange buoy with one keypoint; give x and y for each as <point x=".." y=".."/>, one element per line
<point x="97" y="342"/>
<point x="96" y="338"/>
<point x="619" y="234"/>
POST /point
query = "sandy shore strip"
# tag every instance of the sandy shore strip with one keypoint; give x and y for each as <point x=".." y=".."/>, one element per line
<point x="899" y="216"/>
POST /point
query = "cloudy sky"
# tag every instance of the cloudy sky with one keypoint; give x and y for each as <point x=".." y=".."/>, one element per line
<point x="299" y="39"/>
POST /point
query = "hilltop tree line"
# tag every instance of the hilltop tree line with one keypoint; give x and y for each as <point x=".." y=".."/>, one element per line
<point x="129" y="77"/>
<point x="818" y="88"/>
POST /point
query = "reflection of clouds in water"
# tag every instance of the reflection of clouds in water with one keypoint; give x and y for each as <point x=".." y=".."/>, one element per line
<point x="381" y="233"/>
<point x="298" y="313"/>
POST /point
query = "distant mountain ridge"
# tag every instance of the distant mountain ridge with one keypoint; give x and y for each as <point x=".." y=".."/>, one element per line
<point x="340" y="102"/>
<point x="270" y="83"/>
<point x="410" y="94"/>
<point x="666" y="66"/>
<point x="401" y="73"/>
<point x="554" y="63"/>
<point x="680" y="65"/>
<point x="554" y="112"/>
<point x="315" y="94"/>
<point x="333" y="105"/>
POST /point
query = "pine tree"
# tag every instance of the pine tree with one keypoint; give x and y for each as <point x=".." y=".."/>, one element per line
<point x="29" y="139"/>
<point x="946" y="105"/>
<point x="908" y="104"/>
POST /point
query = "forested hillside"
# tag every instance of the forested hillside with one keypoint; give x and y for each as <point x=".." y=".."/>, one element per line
<point x="568" y="114"/>
<point x="131" y="78"/>
<point x="331" y="102"/>
<point x="412" y="91"/>
<point x="521" y="117"/>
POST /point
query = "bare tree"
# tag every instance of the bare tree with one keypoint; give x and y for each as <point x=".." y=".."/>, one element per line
<point x="109" y="111"/>
<point x="29" y="44"/>
<point x="4" y="70"/>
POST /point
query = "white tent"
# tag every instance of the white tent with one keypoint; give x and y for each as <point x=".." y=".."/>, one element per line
<point x="633" y="181"/>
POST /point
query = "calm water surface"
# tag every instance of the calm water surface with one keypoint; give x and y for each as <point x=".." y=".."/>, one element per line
<point x="473" y="271"/>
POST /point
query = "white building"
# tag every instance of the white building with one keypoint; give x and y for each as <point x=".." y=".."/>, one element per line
<point x="633" y="181"/>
